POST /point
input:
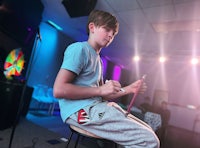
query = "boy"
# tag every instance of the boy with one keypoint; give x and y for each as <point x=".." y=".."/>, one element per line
<point x="84" y="95"/>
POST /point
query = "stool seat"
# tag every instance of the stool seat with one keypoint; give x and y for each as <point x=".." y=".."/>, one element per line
<point x="83" y="133"/>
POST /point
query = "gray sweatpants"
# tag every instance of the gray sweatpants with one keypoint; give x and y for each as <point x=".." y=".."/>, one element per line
<point x="108" y="120"/>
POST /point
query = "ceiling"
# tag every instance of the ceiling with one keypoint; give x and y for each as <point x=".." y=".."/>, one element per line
<point x="148" y="28"/>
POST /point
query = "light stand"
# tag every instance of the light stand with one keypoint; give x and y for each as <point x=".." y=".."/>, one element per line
<point x="38" y="38"/>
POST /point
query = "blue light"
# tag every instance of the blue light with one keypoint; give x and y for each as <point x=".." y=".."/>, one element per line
<point x="54" y="25"/>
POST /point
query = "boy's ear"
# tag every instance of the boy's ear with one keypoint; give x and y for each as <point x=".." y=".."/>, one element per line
<point x="91" y="27"/>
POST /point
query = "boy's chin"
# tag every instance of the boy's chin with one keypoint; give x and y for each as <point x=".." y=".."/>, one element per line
<point x="106" y="45"/>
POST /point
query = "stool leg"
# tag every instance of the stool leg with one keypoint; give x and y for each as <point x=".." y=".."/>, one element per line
<point x="77" y="140"/>
<point x="69" y="140"/>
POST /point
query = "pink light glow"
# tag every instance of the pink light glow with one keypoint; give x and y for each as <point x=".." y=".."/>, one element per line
<point x="116" y="73"/>
<point x="105" y="63"/>
<point x="194" y="61"/>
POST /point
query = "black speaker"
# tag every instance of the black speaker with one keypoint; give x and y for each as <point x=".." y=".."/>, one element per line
<point x="10" y="97"/>
<point x="26" y="100"/>
<point x="78" y="8"/>
<point x="9" y="103"/>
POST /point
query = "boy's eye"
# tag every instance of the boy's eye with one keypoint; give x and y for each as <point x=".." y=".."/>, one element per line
<point x="108" y="30"/>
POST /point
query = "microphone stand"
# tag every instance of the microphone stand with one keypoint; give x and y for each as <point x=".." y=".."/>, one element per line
<point x="38" y="38"/>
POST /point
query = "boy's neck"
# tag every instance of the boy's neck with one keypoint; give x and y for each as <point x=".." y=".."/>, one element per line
<point x="94" y="46"/>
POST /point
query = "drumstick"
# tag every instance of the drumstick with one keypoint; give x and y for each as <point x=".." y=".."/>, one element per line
<point x="135" y="94"/>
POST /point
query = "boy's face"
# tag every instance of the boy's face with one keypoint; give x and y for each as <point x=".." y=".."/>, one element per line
<point x="102" y="35"/>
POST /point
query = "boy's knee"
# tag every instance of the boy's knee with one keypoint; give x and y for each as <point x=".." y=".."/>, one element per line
<point x="153" y="140"/>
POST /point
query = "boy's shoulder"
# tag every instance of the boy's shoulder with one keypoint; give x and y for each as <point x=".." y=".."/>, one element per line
<point x="78" y="46"/>
<point x="83" y="45"/>
<point x="78" y="43"/>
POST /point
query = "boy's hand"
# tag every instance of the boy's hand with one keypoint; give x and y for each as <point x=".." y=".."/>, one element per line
<point x="135" y="86"/>
<point x="110" y="87"/>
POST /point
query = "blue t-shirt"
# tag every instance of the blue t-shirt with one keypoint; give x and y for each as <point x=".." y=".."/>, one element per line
<point x="83" y="60"/>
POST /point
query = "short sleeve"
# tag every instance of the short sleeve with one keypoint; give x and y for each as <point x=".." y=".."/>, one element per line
<point x="74" y="58"/>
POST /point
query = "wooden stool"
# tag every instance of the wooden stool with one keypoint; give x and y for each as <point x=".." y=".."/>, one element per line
<point x="84" y="134"/>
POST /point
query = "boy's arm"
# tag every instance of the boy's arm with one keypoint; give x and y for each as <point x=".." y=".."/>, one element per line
<point x="63" y="87"/>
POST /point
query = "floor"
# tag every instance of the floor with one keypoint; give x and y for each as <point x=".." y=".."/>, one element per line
<point x="181" y="138"/>
<point x="30" y="135"/>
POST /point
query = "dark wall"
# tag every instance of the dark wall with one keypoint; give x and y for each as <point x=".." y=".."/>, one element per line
<point x="19" y="21"/>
